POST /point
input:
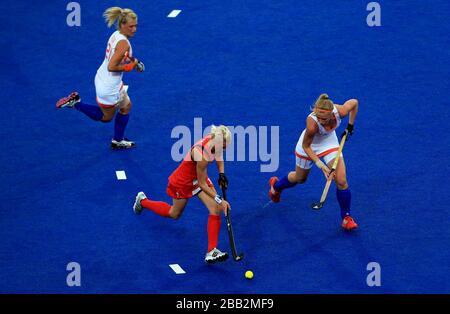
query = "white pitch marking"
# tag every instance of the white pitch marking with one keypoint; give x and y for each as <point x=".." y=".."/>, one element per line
<point x="174" y="13"/>
<point x="177" y="269"/>
<point x="121" y="175"/>
<point x="267" y="204"/>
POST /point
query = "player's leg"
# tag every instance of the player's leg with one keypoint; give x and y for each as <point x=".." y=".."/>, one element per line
<point x="343" y="193"/>
<point x="177" y="208"/>
<point x="214" y="219"/>
<point x="293" y="178"/>
<point x="121" y="122"/>
<point x="108" y="113"/>
<point x="160" y="208"/>
<point x="74" y="101"/>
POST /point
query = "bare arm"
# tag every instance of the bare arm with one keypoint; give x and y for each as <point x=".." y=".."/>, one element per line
<point x="311" y="130"/>
<point x="114" y="65"/>
<point x="350" y="107"/>
<point x="202" y="174"/>
<point x="220" y="166"/>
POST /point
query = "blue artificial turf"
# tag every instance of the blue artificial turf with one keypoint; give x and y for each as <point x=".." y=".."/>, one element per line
<point x="247" y="63"/>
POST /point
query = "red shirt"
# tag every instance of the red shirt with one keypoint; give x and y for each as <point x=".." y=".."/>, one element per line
<point x="186" y="173"/>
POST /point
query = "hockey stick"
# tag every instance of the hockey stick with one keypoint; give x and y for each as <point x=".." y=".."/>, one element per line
<point x="319" y="205"/>
<point x="236" y="257"/>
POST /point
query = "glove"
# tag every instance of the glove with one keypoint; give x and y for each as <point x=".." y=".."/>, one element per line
<point x="223" y="181"/>
<point x="140" y="66"/>
<point x="348" y="130"/>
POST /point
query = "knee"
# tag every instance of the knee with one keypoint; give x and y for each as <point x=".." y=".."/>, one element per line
<point x="175" y="216"/>
<point x="341" y="182"/>
<point x="106" y="119"/>
<point x="126" y="109"/>
<point x="300" y="180"/>
<point x="214" y="211"/>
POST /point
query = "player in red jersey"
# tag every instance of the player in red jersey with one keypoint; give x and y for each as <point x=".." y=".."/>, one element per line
<point x="191" y="179"/>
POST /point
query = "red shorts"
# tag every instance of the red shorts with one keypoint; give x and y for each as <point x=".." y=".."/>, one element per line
<point x="178" y="191"/>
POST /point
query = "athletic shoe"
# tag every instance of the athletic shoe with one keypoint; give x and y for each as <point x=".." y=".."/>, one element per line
<point x="274" y="195"/>
<point x="137" y="207"/>
<point x="215" y="255"/>
<point x="349" y="224"/>
<point x="123" y="144"/>
<point x="69" y="101"/>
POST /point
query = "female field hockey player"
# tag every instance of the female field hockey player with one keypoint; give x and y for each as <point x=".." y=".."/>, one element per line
<point x="111" y="93"/>
<point x="191" y="179"/>
<point x="319" y="140"/>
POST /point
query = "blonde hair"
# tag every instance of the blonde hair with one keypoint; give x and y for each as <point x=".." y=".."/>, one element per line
<point x="221" y="132"/>
<point x="323" y="103"/>
<point x="119" y="15"/>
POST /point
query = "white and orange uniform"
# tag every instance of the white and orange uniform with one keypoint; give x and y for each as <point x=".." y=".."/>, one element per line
<point x="108" y="85"/>
<point x="325" y="143"/>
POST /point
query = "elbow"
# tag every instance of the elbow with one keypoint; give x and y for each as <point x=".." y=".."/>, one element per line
<point x="112" y="68"/>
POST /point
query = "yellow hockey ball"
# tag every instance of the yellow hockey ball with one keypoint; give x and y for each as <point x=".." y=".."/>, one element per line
<point x="249" y="274"/>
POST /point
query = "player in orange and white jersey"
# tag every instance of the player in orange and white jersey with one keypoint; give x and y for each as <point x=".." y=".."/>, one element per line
<point x="319" y="140"/>
<point x="112" y="95"/>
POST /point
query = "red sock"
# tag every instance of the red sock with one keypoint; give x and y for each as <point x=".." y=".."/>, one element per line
<point x="213" y="231"/>
<point x="160" y="208"/>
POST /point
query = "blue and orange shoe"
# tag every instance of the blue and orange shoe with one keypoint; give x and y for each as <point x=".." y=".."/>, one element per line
<point x="273" y="194"/>
<point x="348" y="223"/>
<point x="68" y="101"/>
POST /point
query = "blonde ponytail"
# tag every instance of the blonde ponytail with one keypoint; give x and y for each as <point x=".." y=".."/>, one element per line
<point x="119" y="15"/>
<point x="323" y="103"/>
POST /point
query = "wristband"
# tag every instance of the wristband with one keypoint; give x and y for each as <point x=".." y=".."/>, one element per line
<point x="218" y="199"/>
<point x="129" y="67"/>
<point x="350" y="128"/>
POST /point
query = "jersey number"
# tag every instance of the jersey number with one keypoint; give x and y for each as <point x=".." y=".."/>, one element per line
<point x="108" y="51"/>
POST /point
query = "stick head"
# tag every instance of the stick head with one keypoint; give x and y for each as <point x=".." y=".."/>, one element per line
<point x="239" y="257"/>
<point x="317" y="206"/>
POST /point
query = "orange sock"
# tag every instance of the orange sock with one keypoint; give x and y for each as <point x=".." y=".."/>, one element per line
<point x="213" y="231"/>
<point x="160" y="208"/>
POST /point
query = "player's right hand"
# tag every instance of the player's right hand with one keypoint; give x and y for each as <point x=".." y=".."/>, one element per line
<point x="327" y="173"/>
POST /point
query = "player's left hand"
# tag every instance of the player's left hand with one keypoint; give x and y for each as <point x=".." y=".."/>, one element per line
<point x="225" y="206"/>
<point x="223" y="180"/>
<point x="140" y="67"/>
<point x="348" y="130"/>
